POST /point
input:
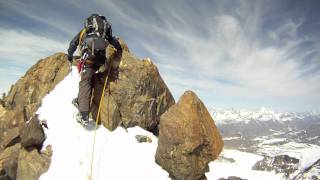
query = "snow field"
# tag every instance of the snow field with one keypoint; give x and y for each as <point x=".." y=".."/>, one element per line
<point x="240" y="168"/>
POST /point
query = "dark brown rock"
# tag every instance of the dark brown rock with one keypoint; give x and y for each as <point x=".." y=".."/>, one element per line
<point x="24" y="98"/>
<point x="32" y="134"/>
<point x="22" y="101"/>
<point x="39" y="80"/>
<point x="135" y="95"/>
<point x="9" y="162"/>
<point x="188" y="139"/>
<point x="31" y="164"/>
<point x="143" y="139"/>
<point x="10" y="138"/>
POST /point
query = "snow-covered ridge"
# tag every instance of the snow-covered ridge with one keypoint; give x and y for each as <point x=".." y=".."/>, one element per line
<point x="117" y="154"/>
<point x="222" y="116"/>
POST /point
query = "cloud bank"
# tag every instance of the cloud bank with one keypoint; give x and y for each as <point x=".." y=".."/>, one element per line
<point x="20" y="50"/>
<point x="241" y="52"/>
<point x="232" y="53"/>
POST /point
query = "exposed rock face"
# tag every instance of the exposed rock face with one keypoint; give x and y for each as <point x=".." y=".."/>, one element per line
<point x="32" y="164"/>
<point x="280" y="164"/>
<point x="135" y="95"/>
<point x="18" y="163"/>
<point x="311" y="172"/>
<point x="9" y="162"/>
<point x="10" y="138"/>
<point x="188" y="139"/>
<point x="32" y="135"/>
<point x="18" y="107"/>
<point x="2" y="109"/>
<point x="25" y="96"/>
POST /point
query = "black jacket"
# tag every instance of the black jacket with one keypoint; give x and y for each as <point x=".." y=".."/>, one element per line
<point x="75" y="42"/>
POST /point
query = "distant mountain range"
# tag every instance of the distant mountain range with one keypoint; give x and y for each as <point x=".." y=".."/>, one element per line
<point x="281" y="137"/>
<point x="263" y="114"/>
<point x="301" y="127"/>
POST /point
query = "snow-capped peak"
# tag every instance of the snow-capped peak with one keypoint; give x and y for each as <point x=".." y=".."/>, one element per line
<point x="222" y="116"/>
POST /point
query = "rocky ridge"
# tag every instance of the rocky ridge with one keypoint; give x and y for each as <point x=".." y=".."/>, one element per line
<point x="24" y="98"/>
<point x="136" y="95"/>
<point x="21" y="134"/>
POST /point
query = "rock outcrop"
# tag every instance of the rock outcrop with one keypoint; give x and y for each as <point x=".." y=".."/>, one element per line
<point x="136" y="95"/>
<point x="21" y="135"/>
<point x="24" y="98"/>
<point x="32" y="134"/>
<point x="310" y="172"/>
<point x="9" y="162"/>
<point x="17" y="162"/>
<point x="143" y="138"/>
<point x="10" y="138"/>
<point x="188" y="139"/>
<point x="280" y="164"/>
<point x="31" y="164"/>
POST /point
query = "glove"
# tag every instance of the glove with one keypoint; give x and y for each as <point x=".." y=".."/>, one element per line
<point x="70" y="59"/>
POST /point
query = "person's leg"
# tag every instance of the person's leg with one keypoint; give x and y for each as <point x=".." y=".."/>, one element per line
<point x="85" y="86"/>
<point x="84" y="95"/>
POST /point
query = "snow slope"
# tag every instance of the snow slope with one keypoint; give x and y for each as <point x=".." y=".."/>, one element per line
<point x="118" y="155"/>
<point x="240" y="168"/>
<point x="306" y="153"/>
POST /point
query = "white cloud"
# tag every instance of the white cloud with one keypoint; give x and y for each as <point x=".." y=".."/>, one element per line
<point x="243" y="51"/>
<point x="20" y="43"/>
<point x="228" y="51"/>
<point x="49" y="16"/>
<point x="21" y="49"/>
<point x="20" y="46"/>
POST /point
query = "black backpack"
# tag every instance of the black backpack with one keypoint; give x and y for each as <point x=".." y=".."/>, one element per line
<point x="95" y="34"/>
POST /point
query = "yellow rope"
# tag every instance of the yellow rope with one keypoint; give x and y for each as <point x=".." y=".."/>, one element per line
<point x="81" y="35"/>
<point x="98" y="113"/>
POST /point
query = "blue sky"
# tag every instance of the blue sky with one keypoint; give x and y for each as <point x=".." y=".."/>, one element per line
<point x="232" y="53"/>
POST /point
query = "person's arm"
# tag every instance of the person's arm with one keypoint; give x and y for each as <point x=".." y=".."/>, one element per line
<point x="73" y="46"/>
<point x="113" y="40"/>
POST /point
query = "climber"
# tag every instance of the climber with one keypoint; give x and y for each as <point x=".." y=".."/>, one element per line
<point x="92" y="41"/>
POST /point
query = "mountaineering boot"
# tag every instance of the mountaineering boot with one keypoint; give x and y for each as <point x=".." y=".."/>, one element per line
<point x="83" y="118"/>
<point x="75" y="102"/>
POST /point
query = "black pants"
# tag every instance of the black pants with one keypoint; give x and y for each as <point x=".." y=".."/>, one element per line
<point x="86" y="82"/>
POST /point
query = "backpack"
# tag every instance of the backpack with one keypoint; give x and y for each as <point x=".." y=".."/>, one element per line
<point x="93" y="38"/>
